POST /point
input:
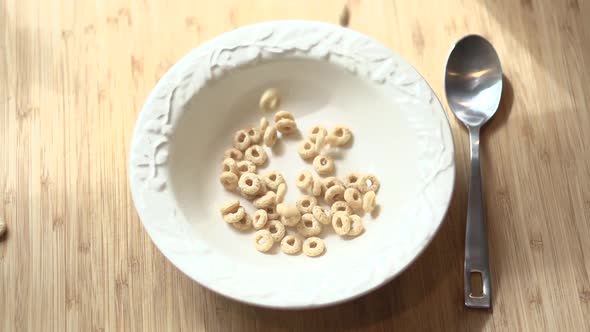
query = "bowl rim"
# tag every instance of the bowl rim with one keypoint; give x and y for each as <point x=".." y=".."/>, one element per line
<point x="164" y="93"/>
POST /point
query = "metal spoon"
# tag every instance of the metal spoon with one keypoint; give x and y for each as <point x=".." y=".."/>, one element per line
<point x="473" y="85"/>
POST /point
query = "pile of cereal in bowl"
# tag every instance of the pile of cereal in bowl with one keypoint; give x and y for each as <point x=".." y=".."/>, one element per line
<point x="325" y="201"/>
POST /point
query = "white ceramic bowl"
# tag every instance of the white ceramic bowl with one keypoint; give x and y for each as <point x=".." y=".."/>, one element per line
<point x="327" y="75"/>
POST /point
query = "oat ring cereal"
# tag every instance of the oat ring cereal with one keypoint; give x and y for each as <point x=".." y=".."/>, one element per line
<point x="230" y="206"/>
<point x="316" y="131"/>
<point x="331" y="182"/>
<point x="256" y="155"/>
<point x="260" y="218"/>
<point x="270" y="100"/>
<point x="341" y="223"/>
<point x="241" y="140"/>
<point x="246" y="166"/>
<point x="290" y="245"/>
<point x="266" y="200"/>
<point x="276" y="229"/>
<point x="263" y="240"/>
<point x="356" y="226"/>
<point x="281" y="192"/>
<point x="369" y="202"/>
<point x="229" y="180"/>
<point x="354" y="199"/>
<point x="303" y="180"/>
<point x="283" y="115"/>
<point x="323" y="165"/>
<point x="286" y="126"/>
<point x="271" y="212"/>
<point x="306" y="204"/>
<point x="244" y="224"/>
<point x="369" y="183"/>
<point x="255" y="135"/>
<point x="334" y="194"/>
<point x="234" y="154"/>
<point x="273" y="179"/>
<point x="339" y="136"/>
<point x="352" y="180"/>
<point x="320" y="215"/>
<point x="313" y="246"/>
<point x="340" y="206"/>
<point x="317" y="187"/>
<point x="307" y="150"/>
<point x="234" y="217"/>
<point x="263" y="125"/>
<point x="230" y="165"/>
<point x="249" y="183"/>
<point x="309" y="226"/>
<point x="270" y="136"/>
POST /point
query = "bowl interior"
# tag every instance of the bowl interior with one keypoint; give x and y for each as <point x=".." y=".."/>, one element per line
<point x="317" y="93"/>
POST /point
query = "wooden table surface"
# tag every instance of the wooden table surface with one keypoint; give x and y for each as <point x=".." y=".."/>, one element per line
<point x="74" y="74"/>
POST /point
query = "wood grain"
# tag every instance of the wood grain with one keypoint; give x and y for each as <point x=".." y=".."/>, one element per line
<point x="74" y="74"/>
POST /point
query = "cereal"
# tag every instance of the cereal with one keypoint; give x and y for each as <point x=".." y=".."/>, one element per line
<point x="236" y="216"/>
<point x="332" y="181"/>
<point x="229" y="165"/>
<point x="340" y="206"/>
<point x="316" y="131"/>
<point x="263" y="125"/>
<point x="229" y="180"/>
<point x="320" y="141"/>
<point x="256" y="155"/>
<point x="369" y="183"/>
<point x="306" y="204"/>
<point x="270" y="100"/>
<point x="313" y="246"/>
<point x="307" y="150"/>
<point x="309" y="226"/>
<point x="263" y="240"/>
<point x="281" y="192"/>
<point x="290" y="245"/>
<point x="354" y="199"/>
<point x="339" y="136"/>
<point x="255" y="135"/>
<point x="260" y="218"/>
<point x="273" y="179"/>
<point x="244" y="224"/>
<point x="263" y="189"/>
<point x="281" y="115"/>
<point x="316" y="187"/>
<point x="356" y="227"/>
<point x="272" y="213"/>
<point x="341" y="223"/>
<point x="303" y="180"/>
<point x="286" y="126"/>
<point x="249" y="183"/>
<point x="352" y="180"/>
<point x="229" y="207"/>
<point x="276" y="229"/>
<point x="290" y="215"/>
<point x="320" y="215"/>
<point x="268" y="199"/>
<point x="246" y="166"/>
<point x="369" y="201"/>
<point x="241" y="140"/>
<point x="335" y="193"/>
<point x="270" y="136"/>
<point x="234" y="154"/>
<point x="323" y="165"/>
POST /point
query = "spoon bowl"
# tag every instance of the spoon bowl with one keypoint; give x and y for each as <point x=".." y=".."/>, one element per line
<point x="473" y="80"/>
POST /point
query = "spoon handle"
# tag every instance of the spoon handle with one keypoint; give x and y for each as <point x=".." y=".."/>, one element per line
<point x="476" y="238"/>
